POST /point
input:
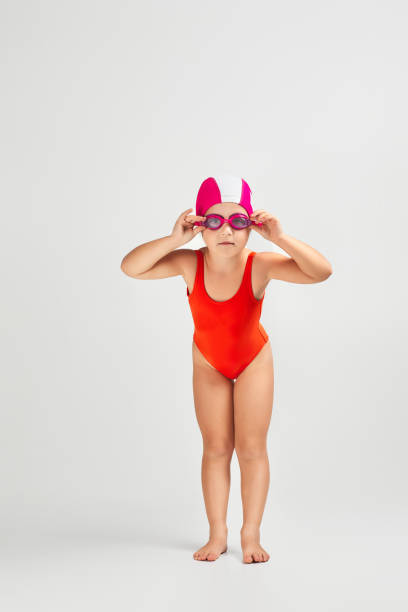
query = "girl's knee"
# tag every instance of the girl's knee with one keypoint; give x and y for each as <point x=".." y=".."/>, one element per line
<point x="221" y="449"/>
<point x="250" y="450"/>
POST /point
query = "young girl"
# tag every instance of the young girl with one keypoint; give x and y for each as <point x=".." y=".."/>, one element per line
<point x="233" y="376"/>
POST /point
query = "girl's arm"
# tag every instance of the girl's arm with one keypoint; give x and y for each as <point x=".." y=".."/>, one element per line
<point x="154" y="259"/>
<point x="305" y="264"/>
<point x="158" y="258"/>
<point x="309" y="260"/>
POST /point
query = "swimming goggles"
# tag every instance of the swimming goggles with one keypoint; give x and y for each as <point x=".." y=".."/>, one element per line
<point x="237" y="220"/>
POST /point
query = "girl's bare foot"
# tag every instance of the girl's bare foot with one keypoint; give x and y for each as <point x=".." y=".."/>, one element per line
<point x="251" y="548"/>
<point x="216" y="545"/>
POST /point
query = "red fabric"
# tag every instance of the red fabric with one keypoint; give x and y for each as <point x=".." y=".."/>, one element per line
<point x="229" y="333"/>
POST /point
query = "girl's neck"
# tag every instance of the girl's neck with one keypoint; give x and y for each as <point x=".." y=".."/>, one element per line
<point x="224" y="265"/>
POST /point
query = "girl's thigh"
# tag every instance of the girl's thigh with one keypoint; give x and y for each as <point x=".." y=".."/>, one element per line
<point x="253" y="400"/>
<point x="214" y="407"/>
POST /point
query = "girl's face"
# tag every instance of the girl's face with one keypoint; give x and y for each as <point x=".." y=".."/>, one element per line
<point x="226" y="233"/>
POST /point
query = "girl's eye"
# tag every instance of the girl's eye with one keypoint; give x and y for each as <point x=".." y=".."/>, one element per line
<point x="213" y="222"/>
<point x="239" y="221"/>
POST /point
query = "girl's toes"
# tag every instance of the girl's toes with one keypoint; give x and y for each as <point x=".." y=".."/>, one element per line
<point x="247" y="558"/>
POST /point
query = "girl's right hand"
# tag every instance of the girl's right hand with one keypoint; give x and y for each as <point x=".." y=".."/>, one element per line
<point x="183" y="230"/>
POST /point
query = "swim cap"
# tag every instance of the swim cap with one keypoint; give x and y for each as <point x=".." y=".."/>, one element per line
<point x="226" y="188"/>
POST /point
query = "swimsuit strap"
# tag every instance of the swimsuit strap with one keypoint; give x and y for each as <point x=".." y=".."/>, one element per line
<point x="200" y="267"/>
<point x="246" y="281"/>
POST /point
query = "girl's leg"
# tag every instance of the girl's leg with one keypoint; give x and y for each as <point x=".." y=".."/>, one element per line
<point x="213" y="399"/>
<point x="253" y="399"/>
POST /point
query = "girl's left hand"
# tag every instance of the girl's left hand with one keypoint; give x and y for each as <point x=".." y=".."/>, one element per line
<point x="270" y="229"/>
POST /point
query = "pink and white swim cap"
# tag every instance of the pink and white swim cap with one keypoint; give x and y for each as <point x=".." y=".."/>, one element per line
<point x="225" y="188"/>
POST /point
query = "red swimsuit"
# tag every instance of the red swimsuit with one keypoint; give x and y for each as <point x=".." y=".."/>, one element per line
<point x="227" y="333"/>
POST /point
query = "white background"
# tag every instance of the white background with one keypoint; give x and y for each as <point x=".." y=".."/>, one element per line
<point x="112" y="114"/>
